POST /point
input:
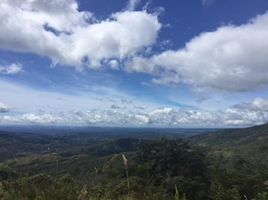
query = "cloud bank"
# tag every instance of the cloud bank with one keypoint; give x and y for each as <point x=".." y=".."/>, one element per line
<point x="244" y="114"/>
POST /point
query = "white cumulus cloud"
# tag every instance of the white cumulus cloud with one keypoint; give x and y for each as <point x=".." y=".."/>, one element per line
<point x="39" y="119"/>
<point x="12" y="69"/>
<point x="4" y="108"/>
<point x="231" y="58"/>
<point x="58" y="30"/>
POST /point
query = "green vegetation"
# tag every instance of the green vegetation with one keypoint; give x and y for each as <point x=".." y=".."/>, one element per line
<point x="228" y="165"/>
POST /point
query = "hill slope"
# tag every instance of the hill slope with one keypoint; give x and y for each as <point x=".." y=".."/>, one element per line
<point x="251" y="141"/>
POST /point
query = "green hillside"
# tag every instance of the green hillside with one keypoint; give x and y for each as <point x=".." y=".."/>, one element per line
<point x="225" y="165"/>
<point x="237" y="157"/>
<point x="252" y="142"/>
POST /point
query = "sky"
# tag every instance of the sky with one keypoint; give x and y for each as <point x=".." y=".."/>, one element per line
<point x="134" y="63"/>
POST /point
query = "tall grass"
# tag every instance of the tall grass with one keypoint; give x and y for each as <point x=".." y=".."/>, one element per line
<point x="126" y="170"/>
<point x="177" y="194"/>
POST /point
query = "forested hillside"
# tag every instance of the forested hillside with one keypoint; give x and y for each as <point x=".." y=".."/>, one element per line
<point x="225" y="165"/>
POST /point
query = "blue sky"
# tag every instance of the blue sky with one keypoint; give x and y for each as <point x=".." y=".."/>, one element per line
<point x="185" y="63"/>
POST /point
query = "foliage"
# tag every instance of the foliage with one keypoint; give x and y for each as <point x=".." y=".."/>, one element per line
<point x="228" y="165"/>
